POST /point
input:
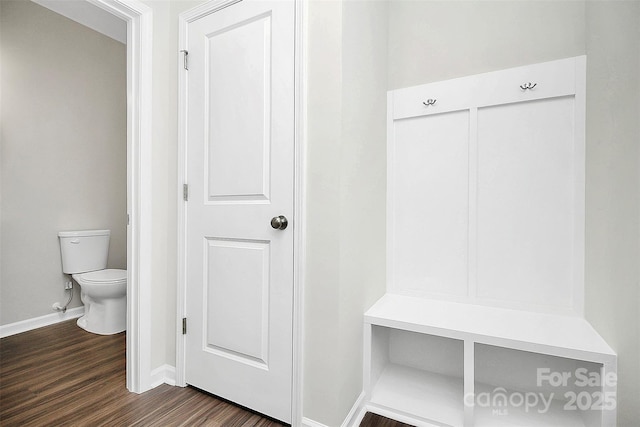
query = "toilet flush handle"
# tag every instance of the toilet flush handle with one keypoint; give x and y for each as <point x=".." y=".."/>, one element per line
<point x="75" y="241"/>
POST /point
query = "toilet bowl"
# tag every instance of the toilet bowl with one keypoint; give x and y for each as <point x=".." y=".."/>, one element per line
<point x="104" y="295"/>
<point x="103" y="291"/>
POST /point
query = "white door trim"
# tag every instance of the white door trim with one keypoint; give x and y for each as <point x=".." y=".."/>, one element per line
<point x="299" y="203"/>
<point x="298" y="237"/>
<point x="139" y="20"/>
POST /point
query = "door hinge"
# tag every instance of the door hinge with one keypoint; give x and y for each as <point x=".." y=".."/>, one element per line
<point x="185" y="192"/>
<point x="186" y="59"/>
<point x="184" y="326"/>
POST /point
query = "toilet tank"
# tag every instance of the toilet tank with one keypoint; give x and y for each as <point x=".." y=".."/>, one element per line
<point x="84" y="251"/>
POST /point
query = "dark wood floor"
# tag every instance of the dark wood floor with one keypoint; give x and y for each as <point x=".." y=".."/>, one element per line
<point x="62" y="375"/>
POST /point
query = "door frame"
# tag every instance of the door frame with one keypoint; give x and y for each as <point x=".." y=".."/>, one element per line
<point x="139" y="19"/>
<point x="298" y="196"/>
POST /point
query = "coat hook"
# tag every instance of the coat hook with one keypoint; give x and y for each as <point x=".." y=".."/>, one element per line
<point x="429" y="102"/>
<point x="528" y="86"/>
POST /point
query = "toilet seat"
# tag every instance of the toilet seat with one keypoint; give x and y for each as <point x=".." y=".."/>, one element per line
<point x="110" y="276"/>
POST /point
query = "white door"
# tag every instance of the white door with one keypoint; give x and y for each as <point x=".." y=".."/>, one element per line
<point x="240" y="170"/>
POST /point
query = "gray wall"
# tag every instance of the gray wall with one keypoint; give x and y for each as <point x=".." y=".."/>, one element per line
<point x="63" y="150"/>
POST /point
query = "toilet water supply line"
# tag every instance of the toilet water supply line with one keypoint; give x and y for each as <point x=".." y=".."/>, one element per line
<point x="57" y="306"/>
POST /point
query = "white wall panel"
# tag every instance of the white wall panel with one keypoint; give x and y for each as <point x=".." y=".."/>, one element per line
<point x="429" y="208"/>
<point x="486" y="203"/>
<point x="526" y="195"/>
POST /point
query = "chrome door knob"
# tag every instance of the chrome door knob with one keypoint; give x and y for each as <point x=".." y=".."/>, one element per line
<point x="279" y="222"/>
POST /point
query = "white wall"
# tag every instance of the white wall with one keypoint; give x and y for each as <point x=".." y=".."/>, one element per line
<point x="164" y="177"/>
<point x="363" y="166"/>
<point x="438" y="40"/>
<point x="63" y="151"/>
<point x="346" y="175"/>
<point x="613" y="190"/>
<point x="322" y="354"/>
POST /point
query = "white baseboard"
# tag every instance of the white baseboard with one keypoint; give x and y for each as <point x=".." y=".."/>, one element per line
<point x="306" y="422"/>
<point x="354" y="417"/>
<point x="356" y="414"/>
<point x="165" y="374"/>
<point x="39" y="322"/>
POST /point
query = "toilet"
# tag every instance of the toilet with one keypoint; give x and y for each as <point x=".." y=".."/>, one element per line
<point x="103" y="291"/>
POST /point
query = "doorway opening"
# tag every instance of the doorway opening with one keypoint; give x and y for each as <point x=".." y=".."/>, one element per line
<point x="139" y="44"/>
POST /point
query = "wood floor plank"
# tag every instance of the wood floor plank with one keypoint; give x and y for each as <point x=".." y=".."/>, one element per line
<point x="373" y="420"/>
<point x="61" y="375"/>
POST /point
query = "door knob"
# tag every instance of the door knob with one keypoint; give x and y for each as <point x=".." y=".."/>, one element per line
<point x="279" y="222"/>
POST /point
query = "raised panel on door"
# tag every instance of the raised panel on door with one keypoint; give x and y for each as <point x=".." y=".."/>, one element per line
<point x="236" y="292"/>
<point x="526" y="215"/>
<point x="429" y="198"/>
<point x="238" y="63"/>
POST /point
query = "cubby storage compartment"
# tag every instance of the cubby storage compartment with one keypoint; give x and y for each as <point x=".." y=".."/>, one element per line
<point x="418" y="375"/>
<point x="427" y="362"/>
<point x="520" y="388"/>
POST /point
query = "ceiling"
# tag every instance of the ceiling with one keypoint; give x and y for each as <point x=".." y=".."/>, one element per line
<point x="89" y="15"/>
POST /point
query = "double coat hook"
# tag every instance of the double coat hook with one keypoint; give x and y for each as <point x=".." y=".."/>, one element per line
<point x="528" y="86"/>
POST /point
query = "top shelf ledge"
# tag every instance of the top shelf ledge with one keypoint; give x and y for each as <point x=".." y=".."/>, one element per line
<point x="557" y="335"/>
